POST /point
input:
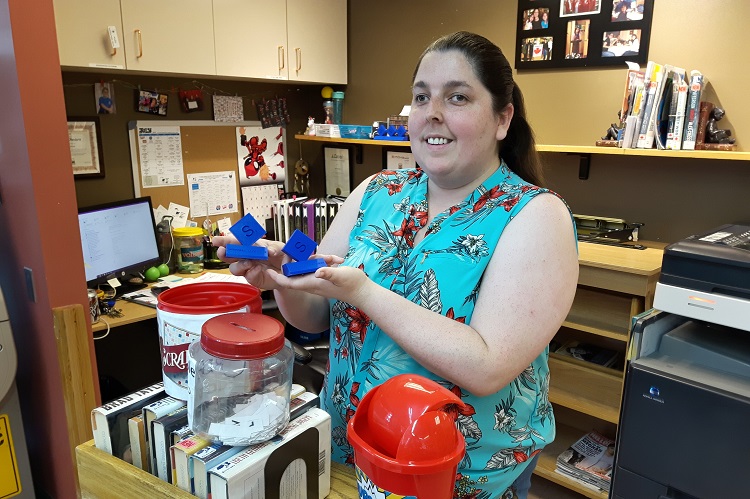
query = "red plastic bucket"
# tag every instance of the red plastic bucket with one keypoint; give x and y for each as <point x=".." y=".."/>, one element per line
<point x="181" y="312"/>
<point x="404" y="441"/>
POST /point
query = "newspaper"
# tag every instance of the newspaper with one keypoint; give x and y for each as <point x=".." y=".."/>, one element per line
<point x="589" y="460"/>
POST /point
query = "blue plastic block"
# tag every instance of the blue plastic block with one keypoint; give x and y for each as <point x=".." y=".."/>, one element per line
<point x="299" y="246"/>
<point x="304" y="267"/>
<point x="247" y="230"/>
<point x="247" y="252"/>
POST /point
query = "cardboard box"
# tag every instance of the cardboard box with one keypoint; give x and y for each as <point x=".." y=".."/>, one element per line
<point x="296" y="463"/>
<point x="331" y="131"/>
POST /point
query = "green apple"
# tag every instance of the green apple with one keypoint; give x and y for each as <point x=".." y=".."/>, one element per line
<point x="152" y="274"/>
<point x="163" y="269"/>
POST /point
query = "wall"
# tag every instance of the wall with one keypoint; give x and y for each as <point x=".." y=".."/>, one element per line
<point x="37" y="216"/>
<point x="117" y="182"/>
<point x="673" y="197"/>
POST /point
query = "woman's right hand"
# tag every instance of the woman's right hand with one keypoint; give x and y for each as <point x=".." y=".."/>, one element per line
<point x="255" y="271"/>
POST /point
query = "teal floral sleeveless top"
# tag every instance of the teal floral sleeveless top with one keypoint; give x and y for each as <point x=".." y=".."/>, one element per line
<point x="443" y="273"/>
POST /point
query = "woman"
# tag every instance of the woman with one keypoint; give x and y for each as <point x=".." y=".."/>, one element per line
<point x="461" y="270"/>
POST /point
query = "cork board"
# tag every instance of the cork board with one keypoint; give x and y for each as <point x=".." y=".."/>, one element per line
<point x="206" y="147"/>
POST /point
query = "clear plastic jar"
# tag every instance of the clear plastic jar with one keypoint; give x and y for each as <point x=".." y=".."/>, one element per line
<point x="338" y="107"/>
<point x="188" y="247"/>
<point x="239" y="379"/>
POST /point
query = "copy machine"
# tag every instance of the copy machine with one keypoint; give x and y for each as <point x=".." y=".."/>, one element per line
<point x="684" y="429"/>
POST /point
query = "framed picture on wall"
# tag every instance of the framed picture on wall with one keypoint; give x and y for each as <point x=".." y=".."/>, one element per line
<point x="582" y="33"/>
<point x="398" y="159"/>
<point x="85" y="141"/>
<point x="337" y="170"/>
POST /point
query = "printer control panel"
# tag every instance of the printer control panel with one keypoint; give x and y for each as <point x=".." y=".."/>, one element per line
<point x="736" y="236"/>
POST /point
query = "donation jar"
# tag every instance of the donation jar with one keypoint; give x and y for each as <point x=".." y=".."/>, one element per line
<point x="181" y="312"/>
<point x="240" y="379"/>
<point x="188" y="246"/>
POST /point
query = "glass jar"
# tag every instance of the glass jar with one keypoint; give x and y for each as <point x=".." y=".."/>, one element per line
<point x="328" y="110"/>
<point x="188" y="248"/>
<point x="240" y="379"/>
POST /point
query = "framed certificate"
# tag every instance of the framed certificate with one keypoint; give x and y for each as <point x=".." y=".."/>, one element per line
<point x="85" y="147"/>
<point x="338" y="171"/>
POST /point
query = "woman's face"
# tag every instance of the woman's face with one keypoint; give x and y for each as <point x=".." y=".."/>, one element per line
<point x="453" y="128"/>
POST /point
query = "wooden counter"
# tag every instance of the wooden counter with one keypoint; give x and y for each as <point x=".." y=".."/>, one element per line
<point x="102" y="475"/>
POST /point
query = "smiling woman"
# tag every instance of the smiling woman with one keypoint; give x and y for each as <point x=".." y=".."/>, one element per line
<point x="459" y="270"/>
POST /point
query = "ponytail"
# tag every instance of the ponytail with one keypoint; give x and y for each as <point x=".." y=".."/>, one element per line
<point x="518" y="149"/>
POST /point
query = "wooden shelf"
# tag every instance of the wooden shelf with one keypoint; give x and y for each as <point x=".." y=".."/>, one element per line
<point x="364" y="142"/>
<point x="601" y="312"/>
<point x="616" y="151"/>
<point x="590" y="391"/>
<point x="724" y="155"/>
<point x="547" y="463"/>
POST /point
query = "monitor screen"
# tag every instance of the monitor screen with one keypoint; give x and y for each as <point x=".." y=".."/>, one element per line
<point x="117" y="239"/>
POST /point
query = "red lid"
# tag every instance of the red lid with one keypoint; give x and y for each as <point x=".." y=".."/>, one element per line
<point x="210" y="298"/>
<point x="242" y="336"/>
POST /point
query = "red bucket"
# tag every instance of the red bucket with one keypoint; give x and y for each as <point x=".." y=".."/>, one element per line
<point x="404" y="441"/>
<point x="181" y="312"/>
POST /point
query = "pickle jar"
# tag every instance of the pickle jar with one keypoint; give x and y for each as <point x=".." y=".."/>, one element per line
<point x="188" y="248"/>
<point x="239" y="379"/>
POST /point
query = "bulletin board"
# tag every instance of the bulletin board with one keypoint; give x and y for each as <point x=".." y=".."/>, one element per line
<point x="206" y="147"/>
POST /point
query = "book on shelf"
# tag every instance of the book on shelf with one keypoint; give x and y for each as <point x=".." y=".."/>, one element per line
<point x="162" y="429"/>
<point x="177" y="436"/>
<point x="181" y="453"/>
<point x="679" y="120"/>
<point x="109" y="422"/>
<point x="301" y="457"/>
<point x="138" y="447"/>
<point x="590" y="460"/>
<point x="202" y="461"/>
<point x="692" y="110"/>
<point x="151" y="412"/>
<point x="646" y="133"/>
<point x="666" y="108"/>
<point x="588" y="352"/>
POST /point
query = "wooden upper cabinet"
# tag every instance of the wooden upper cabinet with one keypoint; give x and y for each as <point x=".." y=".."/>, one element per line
<point x="82" y="33"/>
<point x="169" y="36"/>
<point x="317" y="37"/>
<point x="250" y="38"/>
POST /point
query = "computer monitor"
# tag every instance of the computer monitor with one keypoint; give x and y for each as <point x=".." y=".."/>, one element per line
<point x="118" y="240"/>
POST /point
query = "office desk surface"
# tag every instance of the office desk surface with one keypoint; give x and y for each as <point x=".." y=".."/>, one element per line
<point x="133" y="312"/>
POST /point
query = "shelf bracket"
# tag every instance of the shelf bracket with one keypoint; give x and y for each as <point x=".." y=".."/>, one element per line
<point x="358" y="153"/>
<point x="584" y="163"/>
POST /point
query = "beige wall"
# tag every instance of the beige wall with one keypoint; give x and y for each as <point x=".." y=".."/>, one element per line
<point x="674" y="198"/>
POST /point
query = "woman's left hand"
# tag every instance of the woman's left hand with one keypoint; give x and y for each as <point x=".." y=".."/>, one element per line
<point x="341" y="283"/>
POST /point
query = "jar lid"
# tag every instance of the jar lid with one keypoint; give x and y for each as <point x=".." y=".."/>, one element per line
<point x="242" y="336"/>
<point x="187" y="231"/>
<point x="338" y="95"/>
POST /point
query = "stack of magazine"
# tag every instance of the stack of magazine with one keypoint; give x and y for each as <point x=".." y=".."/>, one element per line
<point x="589" y="461"/>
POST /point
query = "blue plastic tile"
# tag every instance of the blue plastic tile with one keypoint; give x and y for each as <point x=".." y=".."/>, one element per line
<point x="247" y="230"/>
<point x="299" y="246"/>
<point x="304" y="267"/>
<point x="247" y="252"/>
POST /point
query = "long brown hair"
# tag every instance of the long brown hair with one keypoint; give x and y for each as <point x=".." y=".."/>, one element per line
<point x="518" y="149"/>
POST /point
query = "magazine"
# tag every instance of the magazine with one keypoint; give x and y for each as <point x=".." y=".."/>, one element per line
<point x="590" y="460"/>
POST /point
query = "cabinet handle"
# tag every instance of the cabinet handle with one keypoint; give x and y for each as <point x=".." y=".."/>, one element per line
<point x="140" y="43"/>
<point x="298" y="56"/>
<point x="114" y="52"/>
<point x="282" y="57"/>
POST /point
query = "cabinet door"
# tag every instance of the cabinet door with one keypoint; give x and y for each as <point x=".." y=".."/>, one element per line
<point x="82" y="36"/>
<point x="250" y="38"/>
<point x="169" y="36"/>
<point x="317" y="40"/>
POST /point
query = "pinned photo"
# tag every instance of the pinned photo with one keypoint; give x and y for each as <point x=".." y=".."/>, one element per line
<point x="579" y="7"/>
<point x="104" y="94"/>
<point x="536" y="49"/>
<point x="578" y="38"/>
<point x="152" y="102"/>
<point x="627" y="10"/>
<point x="623" y="43"/>
<point x="536" y="19"/>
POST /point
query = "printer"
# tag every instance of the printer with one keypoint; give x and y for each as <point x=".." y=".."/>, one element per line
<point x="684" y="429"/>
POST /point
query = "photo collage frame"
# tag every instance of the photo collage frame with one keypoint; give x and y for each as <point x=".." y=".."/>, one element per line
<point x="582" y="33"/>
